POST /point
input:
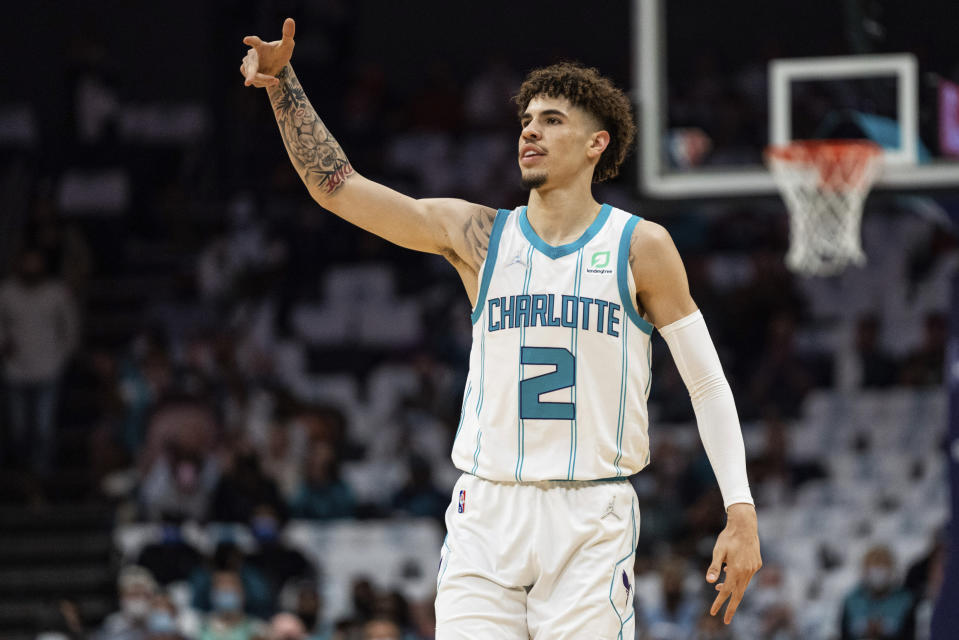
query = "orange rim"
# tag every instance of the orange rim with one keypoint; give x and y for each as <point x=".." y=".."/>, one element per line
<point x="841" y="164"/>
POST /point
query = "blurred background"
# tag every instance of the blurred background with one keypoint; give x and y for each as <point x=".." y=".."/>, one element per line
<point x="228" y="414"/>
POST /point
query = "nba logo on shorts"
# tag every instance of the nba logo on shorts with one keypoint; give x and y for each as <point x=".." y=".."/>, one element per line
<point x="462" y="506"/>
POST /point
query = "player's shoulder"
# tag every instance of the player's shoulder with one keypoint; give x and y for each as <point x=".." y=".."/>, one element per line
<point x="653" y="256"/>
<point x="650" y="238"/>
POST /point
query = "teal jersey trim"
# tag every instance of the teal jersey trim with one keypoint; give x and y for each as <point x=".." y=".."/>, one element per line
<point x="560" y="480"/>
<point x="615" y="479"/>
<point x="479" y="401"/>
<point x="622" y="620"/>
<point x="649" y="368"/>
<point x="520" y="424"/>
<point x="563" y="250"/>
<point x="622" y="266"/>
<point x="476" y="452"/>
<point x="623" y="381"/>
<point x="469" y="388"/>
<point x="498" y="223"/>
<point x="445" y="561"/>
<point x="573" y="426"/>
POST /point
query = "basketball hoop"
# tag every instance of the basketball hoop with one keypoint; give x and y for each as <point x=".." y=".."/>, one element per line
<point x="824" y="184"/>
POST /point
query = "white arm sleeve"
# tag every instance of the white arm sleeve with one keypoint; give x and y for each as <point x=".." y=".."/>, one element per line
<point x="699" y="365"/>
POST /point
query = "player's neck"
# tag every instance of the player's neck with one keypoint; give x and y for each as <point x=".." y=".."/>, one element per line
<point x="560" y="216"/>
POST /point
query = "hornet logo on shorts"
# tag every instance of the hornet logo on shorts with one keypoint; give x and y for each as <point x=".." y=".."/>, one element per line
<point x="462" y="504"/>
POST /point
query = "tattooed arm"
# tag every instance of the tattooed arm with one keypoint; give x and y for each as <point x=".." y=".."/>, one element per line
<point x="313" y="150"/>
<point x="456" y="229"/>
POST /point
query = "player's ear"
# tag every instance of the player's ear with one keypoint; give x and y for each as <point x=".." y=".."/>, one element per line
<point x="597" y="144"/>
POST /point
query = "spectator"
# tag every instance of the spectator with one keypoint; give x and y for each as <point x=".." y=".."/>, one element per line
<point x="712" y="628"/>
<point x="65" y="249"/>
<point x="286" y="626"/>
<point x="183" y="421"/>
<point x="393" y="606"/>
<point x="673" y="617"/>
<point x="924" y="580"/>
<point x="39" y="330"/>
<point x="302" y="598"/>
<point x="381" y="629"/>
<point x="868" y="366"/>
<point x="282" y="459"/>
<point x="144" y="376"/>
<point x="172" y="558"/>
<point x="767" y="613"/>
<point x="227" y="621"/>
<point x="137" y="590"/>
<point x="278" y="562"/>
<point x="419" y="497"/>
<point x="68" y="625"/>
<point x="877" y="609"/>
<point x="242" y="488"/>
<point x="923" y="367"/>
<point x="259" y="599"/>
<point x="180" y="484"/>
<point x="364" y="600"/>
<point x="782" y="377"/>
<point x="162" y="622"/>
<point x="323" y="495"/>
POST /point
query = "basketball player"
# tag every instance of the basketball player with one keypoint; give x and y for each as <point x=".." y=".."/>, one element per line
<point x="543" y="523"/>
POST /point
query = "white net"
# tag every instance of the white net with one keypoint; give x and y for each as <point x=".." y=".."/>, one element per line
<point x="824" y="184"/>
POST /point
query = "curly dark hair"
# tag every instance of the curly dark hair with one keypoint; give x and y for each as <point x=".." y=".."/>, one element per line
<point x="585" y="88"/>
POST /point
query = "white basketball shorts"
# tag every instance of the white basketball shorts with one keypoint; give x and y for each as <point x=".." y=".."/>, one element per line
<point x="540" y="560"/>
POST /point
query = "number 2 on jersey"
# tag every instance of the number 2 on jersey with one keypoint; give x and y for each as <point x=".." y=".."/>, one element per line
<point x="530" y="389"/>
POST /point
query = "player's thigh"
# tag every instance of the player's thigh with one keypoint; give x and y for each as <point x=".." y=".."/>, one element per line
<point x="478" y="596"/>
<point x="471" y="607"/>
<point x="593" y="595"/>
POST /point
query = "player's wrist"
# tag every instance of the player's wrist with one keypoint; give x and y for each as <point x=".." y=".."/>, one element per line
<point x="741" y="514"/>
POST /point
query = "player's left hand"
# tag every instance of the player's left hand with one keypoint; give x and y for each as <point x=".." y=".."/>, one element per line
<point x="737" y="547"/>
<point x="264" y="60"/>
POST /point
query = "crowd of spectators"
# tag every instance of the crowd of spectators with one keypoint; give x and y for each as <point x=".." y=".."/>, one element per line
<point x="255" y="386"/>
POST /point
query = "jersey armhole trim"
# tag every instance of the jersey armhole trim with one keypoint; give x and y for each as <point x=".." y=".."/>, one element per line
<point x="489" y="263"/>
<point x="622" y="275"/>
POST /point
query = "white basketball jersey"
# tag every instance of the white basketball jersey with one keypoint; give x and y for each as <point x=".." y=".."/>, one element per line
<point x="560" y="365"/>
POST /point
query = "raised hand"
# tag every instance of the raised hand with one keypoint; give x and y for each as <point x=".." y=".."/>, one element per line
<point x="737" y="547"/>
<point x="264" y="60"/>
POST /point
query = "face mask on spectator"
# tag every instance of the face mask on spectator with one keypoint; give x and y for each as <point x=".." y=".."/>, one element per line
<point x="135" y="607"/>
<point x="878" y="578"/>
<point x="171" y="534"/>
<point x="226" y="601"/>
<point x="161" y="623"/>
<point x="264" y="528"/>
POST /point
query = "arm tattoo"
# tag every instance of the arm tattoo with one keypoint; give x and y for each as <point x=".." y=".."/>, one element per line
<point x="476" y="233"/>
<point x="317" y="156"/>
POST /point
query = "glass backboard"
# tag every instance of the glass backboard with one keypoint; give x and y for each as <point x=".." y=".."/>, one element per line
<point x="719" y="82"/>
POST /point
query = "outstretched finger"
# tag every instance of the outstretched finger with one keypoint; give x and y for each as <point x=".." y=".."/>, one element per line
<point x="252" y="41"/>
<point x="289" y="28"/>
<point x="735" y="598"/>
<point x="250" y="65"/>
<point x="724" y="592"/>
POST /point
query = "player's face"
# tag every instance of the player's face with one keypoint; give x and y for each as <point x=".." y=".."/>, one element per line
<point x="555" y="143"/>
